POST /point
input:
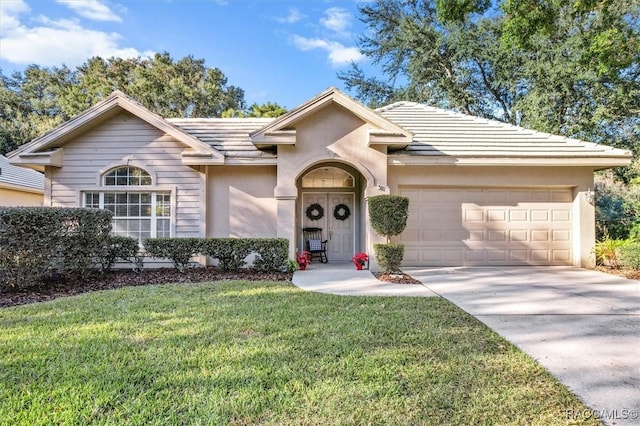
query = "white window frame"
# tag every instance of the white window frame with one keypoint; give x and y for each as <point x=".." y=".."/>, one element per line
<point x="151" y="189"/>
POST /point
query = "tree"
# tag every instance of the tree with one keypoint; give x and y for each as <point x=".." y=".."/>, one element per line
<point x="571" y="68"/>
<point x="39" y="99"/>
<point x="268" y="110"/>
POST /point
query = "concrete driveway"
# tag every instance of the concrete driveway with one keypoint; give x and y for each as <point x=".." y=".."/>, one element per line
<point x="583" y="326"/>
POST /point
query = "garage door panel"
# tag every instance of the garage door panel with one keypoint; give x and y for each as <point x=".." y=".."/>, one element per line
<point x="497" y="226"/>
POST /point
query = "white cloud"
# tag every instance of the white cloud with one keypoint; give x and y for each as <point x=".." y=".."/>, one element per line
<point x="91" y="9"/>
<point x="337" y="20"/>
<point x="293" y="17"/>
<point x="55" y="42"/>
<point x="9" y="14"/>
<point x="338" y="53"/>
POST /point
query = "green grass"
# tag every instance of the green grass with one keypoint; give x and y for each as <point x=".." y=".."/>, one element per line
<point x="239" y="352"/>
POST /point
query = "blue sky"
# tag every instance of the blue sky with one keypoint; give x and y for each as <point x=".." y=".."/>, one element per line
<point x="283" y="51"/>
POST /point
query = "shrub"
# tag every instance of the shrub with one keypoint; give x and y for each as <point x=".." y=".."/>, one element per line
<point x="617" y="206"/>
<point x="388" y="214"/>
<point x="178" y="250"/>
<point x="629" y="255"/>
<point x="389" y="256"/>
<point x="271" y="253"/>
<point x="230" y="252"/>
<point x="606" y="251"/>
<point x="121" y="248"/>
<point x="36" y="242"/>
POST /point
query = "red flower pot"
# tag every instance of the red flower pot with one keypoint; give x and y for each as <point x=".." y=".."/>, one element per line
<point x="359" y="266"/>
<point x="303" y="267"/>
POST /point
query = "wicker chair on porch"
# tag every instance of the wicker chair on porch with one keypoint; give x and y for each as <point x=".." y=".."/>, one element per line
<point x="315" y="244"/>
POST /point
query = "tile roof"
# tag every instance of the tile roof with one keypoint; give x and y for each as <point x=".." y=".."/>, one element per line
<point x="231" y="136"/>
<point x="436" y="133"/>
<point x="439" y="132"/>
<point x="19" y="176"/>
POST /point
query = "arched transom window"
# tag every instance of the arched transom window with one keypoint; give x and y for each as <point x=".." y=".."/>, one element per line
<point x="127" y="176"/>
<point x="328" y="177"/>
<point x="138" y="210"/>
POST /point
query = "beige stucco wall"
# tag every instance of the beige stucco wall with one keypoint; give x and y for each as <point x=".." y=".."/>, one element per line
<point x="332" y="134"/>
<point x="240" y="201"/>
<point x="579" y="179"/>
<point x="16" y="198"/>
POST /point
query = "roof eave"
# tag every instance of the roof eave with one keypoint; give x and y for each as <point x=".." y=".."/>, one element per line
<point x="598" y="163"/>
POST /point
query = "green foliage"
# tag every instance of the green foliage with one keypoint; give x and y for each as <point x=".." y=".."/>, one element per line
<point x="617" y="206"/>
<point x="566" y="67"/>
<point x="607" y="251"/>
<point x="388" y="214"/>
<point x="124" y="249"/>
<point x="39" y="99"/>
<point x="271" y="253"/>
<point x="40" y="242"/>
<point x="230" y="252"/>
<point x="178" y="250"/>
<point x="629" y="255"/>
<point x="268" y="110"/>
<point x="389" y="256"/>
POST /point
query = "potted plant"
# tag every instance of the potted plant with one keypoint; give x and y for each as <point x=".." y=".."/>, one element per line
<point x="304" y="258"/>
<point x="359" y="259"/>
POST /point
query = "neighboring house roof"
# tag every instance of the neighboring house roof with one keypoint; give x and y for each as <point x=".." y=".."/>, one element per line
<point x="441" y="134"/>
<point x="19" y="178"/>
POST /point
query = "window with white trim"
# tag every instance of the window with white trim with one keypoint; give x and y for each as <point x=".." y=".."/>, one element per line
<point x="138" y="212"/>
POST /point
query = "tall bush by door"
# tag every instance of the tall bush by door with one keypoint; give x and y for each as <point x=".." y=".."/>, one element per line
<point x="388" y="216"/>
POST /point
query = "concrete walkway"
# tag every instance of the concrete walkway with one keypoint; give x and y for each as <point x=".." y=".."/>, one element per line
<point x="583" y="326"/>
<point x="344" y="279"/>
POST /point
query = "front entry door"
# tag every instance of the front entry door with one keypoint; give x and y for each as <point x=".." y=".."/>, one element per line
<point x="339" y="232"/>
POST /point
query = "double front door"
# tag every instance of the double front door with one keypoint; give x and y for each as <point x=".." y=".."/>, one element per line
<point x="340" y="230"/>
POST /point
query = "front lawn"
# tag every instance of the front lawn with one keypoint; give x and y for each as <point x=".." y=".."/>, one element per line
<point x="241" y="352"/>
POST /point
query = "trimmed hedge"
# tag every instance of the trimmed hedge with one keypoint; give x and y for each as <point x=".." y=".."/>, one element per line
<point x="178" y="250"/>
<point x="44" y="242"/>
<point x="389" y="256"/>
<point x="388" y="214"/>
<point x="122" y="248"/>
<point x="271" y="253"/>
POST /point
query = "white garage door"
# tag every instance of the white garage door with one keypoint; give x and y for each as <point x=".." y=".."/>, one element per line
<point x="482" y="226"/>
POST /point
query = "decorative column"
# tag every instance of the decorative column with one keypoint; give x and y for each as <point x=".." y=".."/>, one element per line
<point x="286" y="197"/>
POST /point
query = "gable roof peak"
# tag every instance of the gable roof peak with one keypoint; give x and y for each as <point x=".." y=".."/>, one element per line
<point x="319" y="102"/>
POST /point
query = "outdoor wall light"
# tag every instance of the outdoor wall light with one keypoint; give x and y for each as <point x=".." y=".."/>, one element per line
<point x="590" y="196"/>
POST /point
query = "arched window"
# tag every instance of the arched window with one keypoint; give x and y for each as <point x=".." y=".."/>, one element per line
<point x="127" y="176"/>
<point x="138" y="211"/>
<point x="328" y="177"/>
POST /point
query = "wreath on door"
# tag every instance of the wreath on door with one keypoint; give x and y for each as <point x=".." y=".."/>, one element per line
<point x="341" y="212"/>
<point x="315" y="212"/>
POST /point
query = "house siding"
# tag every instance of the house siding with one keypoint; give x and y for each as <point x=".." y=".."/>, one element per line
<point x="128" y="140"/>
<point x="17" y="198"/>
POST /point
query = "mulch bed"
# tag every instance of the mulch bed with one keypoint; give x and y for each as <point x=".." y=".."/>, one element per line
<point x="127" y="278"/>
<point x="396" y="278"/>
<point x="632" y="274"/>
